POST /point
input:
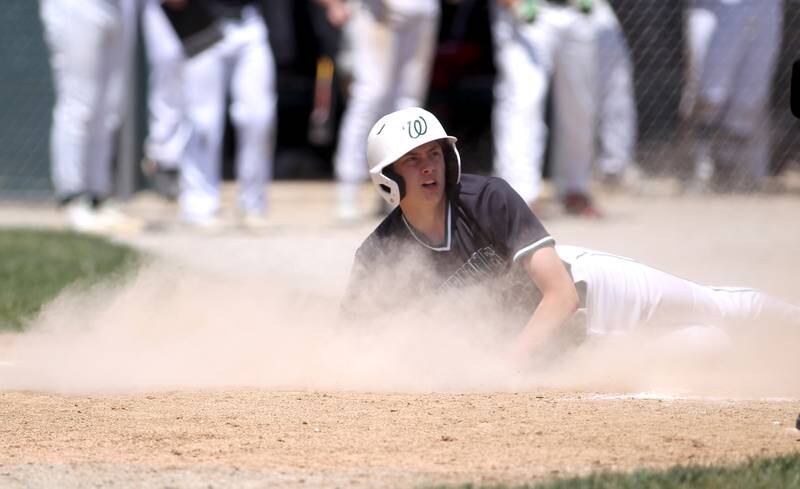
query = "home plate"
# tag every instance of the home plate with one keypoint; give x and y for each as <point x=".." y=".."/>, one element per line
<point x="657" y="396"/>
<point x="642" y="395"/>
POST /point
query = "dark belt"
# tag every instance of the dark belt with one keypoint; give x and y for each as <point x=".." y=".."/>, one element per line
<point x="582" y="288"/>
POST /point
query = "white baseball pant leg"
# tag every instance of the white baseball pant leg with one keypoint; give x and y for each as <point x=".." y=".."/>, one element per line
<point x="524" y="59"/>
<point x="168" y="131"/>
<point x="415" y="44"/>
<point x="205" y="83"/>
<point x="392" y="58"/>
<point x="242" y="58"/>
<point x="89" y="49"/>
<point x="623" y="295"/>
<point x="699" y="25"/>
<point x="736" y="80"/>
<point x="575" y="100"/>
<point x="254" y="103"/>
<point x="617" y="124"/>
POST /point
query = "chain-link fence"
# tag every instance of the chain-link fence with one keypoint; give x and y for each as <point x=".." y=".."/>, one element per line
<point x="663" y="35"/>
<point x="27" y="97"/>
<point x="656" y="35"/>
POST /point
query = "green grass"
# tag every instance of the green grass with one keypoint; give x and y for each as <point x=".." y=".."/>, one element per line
<point x="771" y="473"/>
<point x="35" y="265"/>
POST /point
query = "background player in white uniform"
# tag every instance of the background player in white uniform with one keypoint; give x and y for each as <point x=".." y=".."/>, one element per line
<point x="557" y="47"/>
<point x="242" y="62"/>
<point x="733" y="47"/>
<point x="470" y="231"/>
<point x="90" y="45"/>
<point x="393" y="43"/>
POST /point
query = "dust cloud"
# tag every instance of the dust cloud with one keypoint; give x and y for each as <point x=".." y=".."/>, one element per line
<point x="169" y="327"/>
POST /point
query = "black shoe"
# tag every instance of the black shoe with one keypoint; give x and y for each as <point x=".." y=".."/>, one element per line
<point x="165" y="181"/>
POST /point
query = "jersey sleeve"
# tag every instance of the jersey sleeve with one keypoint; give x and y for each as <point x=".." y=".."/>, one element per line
<point x="510" y="221"/>
<point x="356" y="297"/>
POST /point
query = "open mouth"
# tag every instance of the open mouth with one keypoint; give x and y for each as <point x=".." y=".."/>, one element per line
<point x="429" y="184"/>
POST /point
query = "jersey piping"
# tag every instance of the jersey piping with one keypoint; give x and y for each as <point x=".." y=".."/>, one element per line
<point x="533" y="246"/>
<point x="448" y="231"/>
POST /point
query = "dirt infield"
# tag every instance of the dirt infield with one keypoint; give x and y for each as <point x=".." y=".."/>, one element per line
<point x="217" y="365"/>
<point x="374" y="440"/>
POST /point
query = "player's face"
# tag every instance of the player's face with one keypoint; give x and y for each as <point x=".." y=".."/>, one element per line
<point x="422" y="169"/>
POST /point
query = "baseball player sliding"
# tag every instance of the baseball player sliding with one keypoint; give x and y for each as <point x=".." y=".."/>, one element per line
<point x="471" y="231"/>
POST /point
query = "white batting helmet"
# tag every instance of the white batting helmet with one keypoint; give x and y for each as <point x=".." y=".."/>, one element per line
<point x="398" y="133"/>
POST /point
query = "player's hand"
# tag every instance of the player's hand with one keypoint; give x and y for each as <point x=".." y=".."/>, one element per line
<point x="522" y="361"/>
<point x="518" y="356"/>
<point x="337" y="13"/>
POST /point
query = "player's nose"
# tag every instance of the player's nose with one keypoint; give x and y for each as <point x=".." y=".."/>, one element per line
<point x="428" y="165"/>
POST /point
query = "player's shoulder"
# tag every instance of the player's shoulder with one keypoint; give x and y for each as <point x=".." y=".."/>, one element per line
<point x="472" y="183"/>
<point x="479" y="188"/>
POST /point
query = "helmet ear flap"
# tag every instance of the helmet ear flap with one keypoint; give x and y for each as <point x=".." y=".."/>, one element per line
<point x="452" y="164"/>
<point x="396" y="178"/>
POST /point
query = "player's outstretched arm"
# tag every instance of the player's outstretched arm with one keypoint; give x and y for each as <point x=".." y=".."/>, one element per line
<point x="559" y="303"/>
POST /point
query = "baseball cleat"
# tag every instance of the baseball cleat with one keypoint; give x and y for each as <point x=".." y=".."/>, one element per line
<point x="580" y="204"/>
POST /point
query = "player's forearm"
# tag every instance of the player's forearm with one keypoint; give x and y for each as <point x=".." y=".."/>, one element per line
<point x="552" y="313"/>
<point x="559" y="302"/>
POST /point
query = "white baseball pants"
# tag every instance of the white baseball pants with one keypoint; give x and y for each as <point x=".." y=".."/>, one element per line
<point x="90" y="45"/>
<point x="559" y="45"/>
<point x="242" y="60"/>
<point x="168" y="130"/>
<point x="623" y="294"/>
<point x="734" y="47"/>
<point x="617" y="123"/>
